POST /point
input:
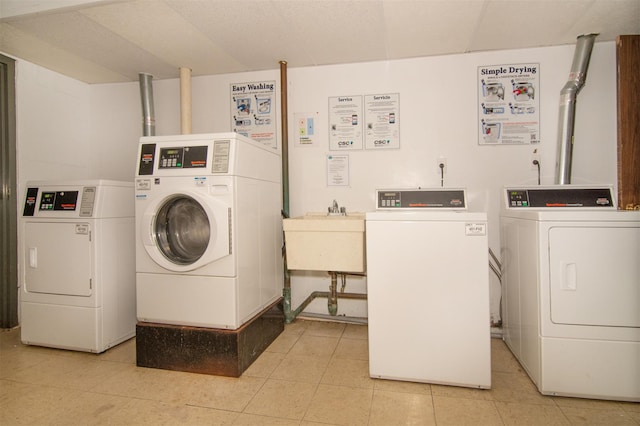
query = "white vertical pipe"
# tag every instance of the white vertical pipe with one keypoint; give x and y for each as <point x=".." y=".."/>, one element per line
<point x="185" y="100"/>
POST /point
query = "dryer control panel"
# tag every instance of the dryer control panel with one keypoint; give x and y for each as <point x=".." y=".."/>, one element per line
<point x="560" y="196"/>
<point x="60" y="201"/>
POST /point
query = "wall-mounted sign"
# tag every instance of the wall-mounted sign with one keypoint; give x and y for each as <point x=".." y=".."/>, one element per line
<point x="253" y="111"/>
<point x="382" y="120"/>
<point x="345" y="123"/>
<point x="509" y="104"/>
<point x="306" y="134"/>
<point x="337" y="170"/>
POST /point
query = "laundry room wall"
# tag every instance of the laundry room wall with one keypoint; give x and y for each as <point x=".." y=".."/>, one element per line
<point x="438" y="116"/>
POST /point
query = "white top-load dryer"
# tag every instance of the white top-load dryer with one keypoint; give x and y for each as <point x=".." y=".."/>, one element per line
<point x="428" y="288"/>
<point x="77" y="267"/>
<point x="571" y="290"/>
<point x="208" y="229"/>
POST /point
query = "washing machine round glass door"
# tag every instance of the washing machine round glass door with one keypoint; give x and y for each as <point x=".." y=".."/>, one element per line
<point x="182" y="230"/>
<point x="185" y="231"/>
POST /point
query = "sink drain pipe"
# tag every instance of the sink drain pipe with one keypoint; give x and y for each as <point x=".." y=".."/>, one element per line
<point x="568" y="95"/>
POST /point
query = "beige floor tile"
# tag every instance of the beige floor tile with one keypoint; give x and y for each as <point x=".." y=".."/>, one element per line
<point x="301" y="369"/>
<point x="16" y="360"/>
<point x="145" y="412"/>
<point x="348" y="372"/>
<point x="82" y="373"/>
<point x="281" y="398"/>
<point x="284" y="342"/>
<point x="88" y="408"/>
<point x="352" y="349"/>
<point x="589" y="403"/>
<point x="397" y="408"/>
<point x="514" y="413"/>
<point x="399" y="386"/>
<point x="148" y="383"/>
<point x="462" y="411"/>
<point x="255" y="420"/>
<point x="225" y="393"/>
<point x="124" y="352"/>
<point x="356" y="331"/>
<point x="33" y="404"/>
<point x="592" y="416"/>
<point x="325" y="329"/>
<point x="298" y="326"/>
<point x="340" y="405"/>
<point x="502" y="360"/>
<point x="632" y="407"/>
<point x="265" y="365"/>
<point x="462" y="392"/>
<point x="317" y="346"/>
<point x="516" y="387"/>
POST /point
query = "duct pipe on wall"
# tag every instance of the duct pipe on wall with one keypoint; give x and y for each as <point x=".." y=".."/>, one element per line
<point x="148" y="115"/>
<point x="185" y="101"/>
<point x="568" y="95"/>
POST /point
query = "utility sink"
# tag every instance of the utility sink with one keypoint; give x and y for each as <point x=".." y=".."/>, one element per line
<point x="321" y="242"/>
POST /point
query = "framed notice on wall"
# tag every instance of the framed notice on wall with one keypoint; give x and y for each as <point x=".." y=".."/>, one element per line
<point x="382" y="121"/>
<point x="345" y="123"/>
<point x="509" y="104"/>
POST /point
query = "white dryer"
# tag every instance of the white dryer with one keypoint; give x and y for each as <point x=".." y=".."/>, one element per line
<point x="571" y="290"/>
<point x="209" y="230"/>
<point x="77" y="268"/>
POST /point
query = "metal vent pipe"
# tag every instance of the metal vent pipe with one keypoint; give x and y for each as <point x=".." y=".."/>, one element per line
<point x="568" y="95"/>
<point x="146" y="95"/>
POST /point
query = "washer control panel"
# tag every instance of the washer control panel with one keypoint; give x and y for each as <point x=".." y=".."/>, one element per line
<point x="411" y="199"/>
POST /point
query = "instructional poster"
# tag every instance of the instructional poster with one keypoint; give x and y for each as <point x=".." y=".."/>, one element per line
<point x="509" y="104"/>
<point x="345" y="123"/>
<point x="253" y="111"/>
<point x="382" y="118"/>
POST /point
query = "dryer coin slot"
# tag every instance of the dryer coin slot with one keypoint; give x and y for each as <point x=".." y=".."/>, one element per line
<point x="147" y="155"/>
<point x="30" y="202"/>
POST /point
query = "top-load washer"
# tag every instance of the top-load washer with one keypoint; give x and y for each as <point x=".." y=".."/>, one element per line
<point x="571" y="290"/>
<point x="77" y="268"/>
<point x="428" y="288"/>
<point x="209" y="229"/>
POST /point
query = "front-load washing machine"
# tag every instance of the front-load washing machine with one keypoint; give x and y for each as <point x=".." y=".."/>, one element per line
<point x="77" y="268"/>
<point x="208" y="230"/>
<point x="428" y="289"/>
<point x="571" y="290"/>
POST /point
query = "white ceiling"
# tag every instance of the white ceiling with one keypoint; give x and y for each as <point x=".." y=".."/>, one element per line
<point x="102" y="41"/>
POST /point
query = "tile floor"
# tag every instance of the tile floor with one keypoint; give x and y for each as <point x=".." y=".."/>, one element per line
<point x="315" y="373"/>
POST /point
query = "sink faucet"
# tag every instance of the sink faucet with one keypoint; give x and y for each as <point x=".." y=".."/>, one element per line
<point x="334" y="210"/>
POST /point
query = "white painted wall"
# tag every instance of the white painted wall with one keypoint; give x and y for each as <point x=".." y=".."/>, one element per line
<point x="72" y="130"/>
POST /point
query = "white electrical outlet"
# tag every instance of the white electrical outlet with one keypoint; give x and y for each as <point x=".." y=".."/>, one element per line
<point x="535" y="156"/>
<point x="443" y="161"/>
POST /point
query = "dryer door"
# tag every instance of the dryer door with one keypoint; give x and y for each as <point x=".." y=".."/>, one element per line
<point x="184" y="231"/>
<point x="58" y="258"/>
